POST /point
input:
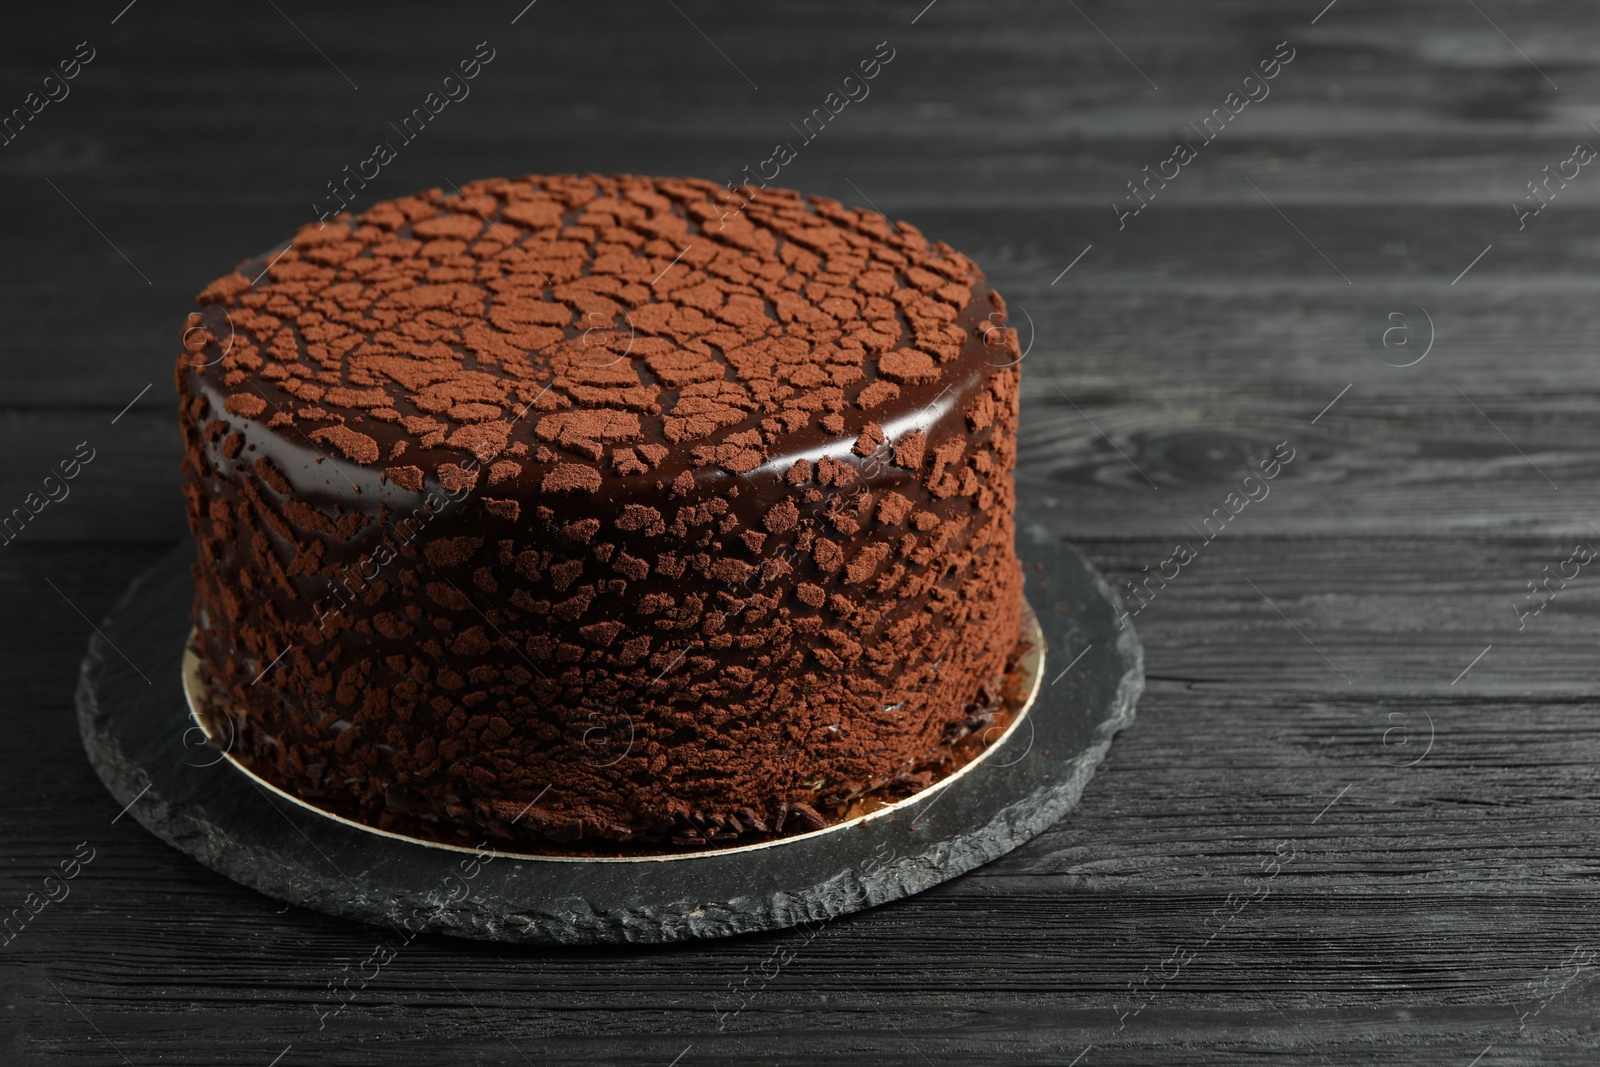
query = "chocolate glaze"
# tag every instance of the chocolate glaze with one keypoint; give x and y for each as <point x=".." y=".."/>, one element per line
<point x="510" y="619"/>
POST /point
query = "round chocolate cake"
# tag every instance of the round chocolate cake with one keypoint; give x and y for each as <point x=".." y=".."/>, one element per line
<point x="602" y="508"/>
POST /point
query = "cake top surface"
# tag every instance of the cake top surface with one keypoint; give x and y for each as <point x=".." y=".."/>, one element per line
<point x="585" y="327"/>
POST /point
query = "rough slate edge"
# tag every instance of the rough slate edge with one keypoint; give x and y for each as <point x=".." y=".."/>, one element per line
<point x="344" y="872"/>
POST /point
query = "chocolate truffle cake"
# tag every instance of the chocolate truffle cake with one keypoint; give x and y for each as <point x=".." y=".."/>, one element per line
<point x="585" y="507"/>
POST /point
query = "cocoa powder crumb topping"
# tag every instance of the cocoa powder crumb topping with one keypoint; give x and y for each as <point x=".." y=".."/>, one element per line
<point x="447" y="317"/>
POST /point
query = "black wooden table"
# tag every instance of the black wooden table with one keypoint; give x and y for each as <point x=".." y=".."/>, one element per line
<point x="1355" y="821"/>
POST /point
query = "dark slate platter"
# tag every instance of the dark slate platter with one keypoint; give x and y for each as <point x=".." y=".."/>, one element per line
<point x="139" y="736"/>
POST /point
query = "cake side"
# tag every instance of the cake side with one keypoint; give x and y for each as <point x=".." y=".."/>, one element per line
<point x="513" y="507"/>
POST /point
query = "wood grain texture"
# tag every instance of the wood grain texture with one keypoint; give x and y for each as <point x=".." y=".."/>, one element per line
<point x="1333" y="835"/>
